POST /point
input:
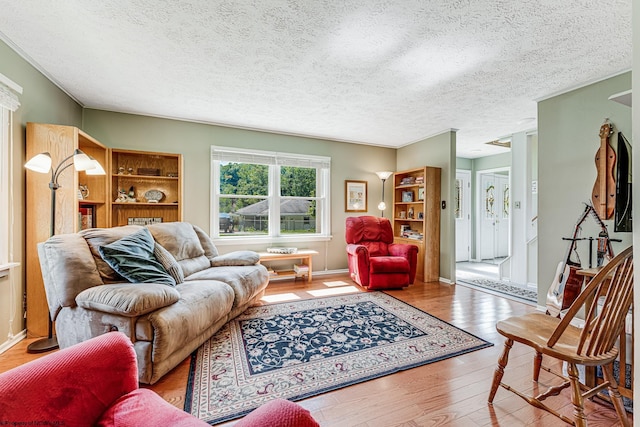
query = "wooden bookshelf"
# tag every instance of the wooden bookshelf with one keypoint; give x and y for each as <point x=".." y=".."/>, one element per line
<point x="60" y="142"/>
<point x="416" y="217"/>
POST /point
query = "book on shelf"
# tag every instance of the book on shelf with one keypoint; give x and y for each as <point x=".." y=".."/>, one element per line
<point x="300" y="268"/>
<point x="86" y="218"/>
<point x="407" y="180"/>
<point x="411" y="234"/>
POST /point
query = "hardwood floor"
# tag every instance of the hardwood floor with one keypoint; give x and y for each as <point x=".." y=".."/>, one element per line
<point x="451" y="392"/>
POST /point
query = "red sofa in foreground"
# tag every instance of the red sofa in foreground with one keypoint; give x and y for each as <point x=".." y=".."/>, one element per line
<point x="95" y="383"/>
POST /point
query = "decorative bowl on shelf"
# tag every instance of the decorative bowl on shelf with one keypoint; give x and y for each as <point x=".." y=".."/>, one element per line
<point x="153" y="196"/>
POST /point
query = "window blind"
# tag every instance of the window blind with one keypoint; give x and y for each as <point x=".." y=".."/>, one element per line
<point x="226" y="154"/>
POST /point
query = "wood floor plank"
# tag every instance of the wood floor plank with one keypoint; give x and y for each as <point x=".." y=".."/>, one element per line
<point x="452" y="392"/>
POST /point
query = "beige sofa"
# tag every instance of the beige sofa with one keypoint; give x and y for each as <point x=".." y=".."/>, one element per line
<point x="165" y="322"/>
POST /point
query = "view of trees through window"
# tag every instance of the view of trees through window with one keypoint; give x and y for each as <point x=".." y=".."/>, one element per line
<point x="244" y="201"/>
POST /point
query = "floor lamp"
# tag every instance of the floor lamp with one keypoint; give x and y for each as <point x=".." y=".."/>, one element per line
<point x="383" y="176"/>
<point x="41" y="163"/>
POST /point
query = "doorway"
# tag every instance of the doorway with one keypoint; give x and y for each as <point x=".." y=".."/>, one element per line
<point x="463" y="215"/>
<point x="483" y="226"/>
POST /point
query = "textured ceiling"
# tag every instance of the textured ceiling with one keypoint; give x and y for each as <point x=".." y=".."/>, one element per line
<point x="379" y="72"/>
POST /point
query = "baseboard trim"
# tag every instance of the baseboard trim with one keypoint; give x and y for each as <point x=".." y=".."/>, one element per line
<point x="13" y="341"/>
<point x="328" y="272"/>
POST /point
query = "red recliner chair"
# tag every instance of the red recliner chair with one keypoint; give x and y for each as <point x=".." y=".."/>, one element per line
<point x="375" y="262"/>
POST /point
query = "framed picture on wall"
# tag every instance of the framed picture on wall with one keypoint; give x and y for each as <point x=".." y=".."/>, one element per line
<point x="355" y="196"/>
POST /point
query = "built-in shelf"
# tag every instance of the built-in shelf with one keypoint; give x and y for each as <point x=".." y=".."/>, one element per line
<point x="144" y="204"/>
<point x="622" y="97"/>
<point x="138" y="174"/>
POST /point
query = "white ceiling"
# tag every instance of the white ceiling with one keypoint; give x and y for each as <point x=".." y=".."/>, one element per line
<point x="379" y="72"/>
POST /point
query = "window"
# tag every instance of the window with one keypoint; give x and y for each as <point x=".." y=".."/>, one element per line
<point x="269" y="196"/>
<point x="8" y="104"/>
<point x="4" y="186"/>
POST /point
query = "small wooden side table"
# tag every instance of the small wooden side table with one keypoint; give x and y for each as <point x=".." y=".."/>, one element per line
<point x="304" y="255"/>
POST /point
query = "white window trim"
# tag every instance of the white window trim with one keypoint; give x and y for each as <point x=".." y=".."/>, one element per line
<point x="6" y="188"/>
<point x="9" y="102"/>
<point x="273" y="159"/>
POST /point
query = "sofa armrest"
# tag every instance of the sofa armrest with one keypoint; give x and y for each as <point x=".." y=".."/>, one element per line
<point x="236" y="258"/>
<point x="73" y="386"/>
<point x="143" y="407"/>
<point x="357" y="250"/>
<point x="68" y="268"/>
<point x="281" y="413"/>
<point x="127" y="299"/>
<point x="358" y="260"/>
<point x="402" y="249"/>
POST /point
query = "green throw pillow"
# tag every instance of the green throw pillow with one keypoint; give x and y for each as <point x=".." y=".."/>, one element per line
<point x="132" y="257"/>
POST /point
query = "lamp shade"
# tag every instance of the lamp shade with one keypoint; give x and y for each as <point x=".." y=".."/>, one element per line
<point x="40" y="163"/>
<point x="384" y="175"/>
<point x="81" y="161"/>
<point x="96" y="169"/>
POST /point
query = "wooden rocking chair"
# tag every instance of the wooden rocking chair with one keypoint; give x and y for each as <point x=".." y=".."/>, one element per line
<point x="593" y="345"/>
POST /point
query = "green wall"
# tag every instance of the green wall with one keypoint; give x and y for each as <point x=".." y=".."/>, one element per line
<point x="41" y="101"/>
<point x="194" y="141"/>
<point x="568" y="139"/>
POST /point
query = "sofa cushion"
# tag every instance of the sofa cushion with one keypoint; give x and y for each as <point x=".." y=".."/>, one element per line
<point x="210" y="249"/>
<point x="181" y="240"/>
<point x="388" y="264"/>
<point x="126" y="299"/>
<point x="236" y="258"/>
<point x="202" y="303"/>
<point x="98" y="237"/>
<point x="246" y="281"/>
<point x="169" y="263"/>
<point x="132" y="257"/>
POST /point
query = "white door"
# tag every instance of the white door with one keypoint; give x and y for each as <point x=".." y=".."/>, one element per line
<point x="487" y="217"/>
<point x="493" y="216"/>
<point x="462" y="210"/>
<point x="502" y="216"/>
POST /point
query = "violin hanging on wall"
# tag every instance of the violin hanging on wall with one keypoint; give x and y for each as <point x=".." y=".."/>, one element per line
<point x="604" y="189"/>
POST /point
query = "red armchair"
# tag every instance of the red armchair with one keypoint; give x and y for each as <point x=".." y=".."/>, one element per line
<point x="375" y="262"/>
<point x="95" y="383"/>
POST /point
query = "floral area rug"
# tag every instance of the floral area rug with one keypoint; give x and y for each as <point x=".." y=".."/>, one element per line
<point x="300" y="349"/>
